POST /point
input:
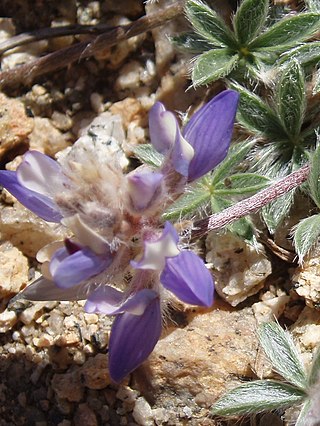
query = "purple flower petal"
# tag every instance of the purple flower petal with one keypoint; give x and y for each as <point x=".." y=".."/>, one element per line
<point x="156" y="252"/>
<point x="39" y="204"/>
<point x="69" y="270"/>
<point x="43" y="289"/>
<point x="181" y="154"/>
<point x="104" y="299"/>
<point x="143" y="188"/>
<point x="110" y="301"/>
<point x="39" y="173"/>
<point x="133" y="338"/>
<point x="188" y="278"/>
<point x="209" y="132"/>
<point x="162" y="127"/>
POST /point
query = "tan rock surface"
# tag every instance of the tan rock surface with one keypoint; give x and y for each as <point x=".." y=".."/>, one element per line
<point x="197" y="362"/>
<point x="13" y="270"/>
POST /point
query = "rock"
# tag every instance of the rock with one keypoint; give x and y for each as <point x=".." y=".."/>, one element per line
<point x="68" y="386"/>
<point x="45" y="137"/>
<point x="13" y="270"/>
<point x="240" y="269"/>
<point x="7" y="320"/>
<point x="95" y="373"/>
<point x="15" y="127"/>
<point x="26" y="231"/>
<point x="198" y="362"/>
<point x="271" y="307"/>
<point x="306" y="333"/>
<point x="84" y="416"/>
<point x="306" y="279"/>
<point x="142" y="413"/>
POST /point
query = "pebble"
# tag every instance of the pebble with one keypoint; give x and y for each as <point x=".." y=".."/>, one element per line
<point x="14" y="270"/>
<point x="142" y="412"/>
<point x="7" y="320"/>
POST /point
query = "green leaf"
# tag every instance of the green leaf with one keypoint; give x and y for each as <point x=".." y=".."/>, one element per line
<point x="249" y="19"/>
<point x="191" y="42"/>
<point x="288" y="32"/>
<point x="256" y="397"/>
<point x="212" y="65"/>
<point x="316" y="87"/>
<point x="275" y="212"/>
<point x="282" y="353"/>
<point x="241" y="184"/>
<point x="147" y="154"/>
<point x="314" y="176"/>
<point x="313" y="5"/>
<point x="195" y="198"/>
<point x="306" y="54"/>
<point x="235" y="156"/>
<point x="256" y="115"/>
<point x="302" y="418"/>
<point x="313" y="377"/>
<point x="306" y="234"/>
<point x="291" y="98"/>
<point x="209" y="24"/>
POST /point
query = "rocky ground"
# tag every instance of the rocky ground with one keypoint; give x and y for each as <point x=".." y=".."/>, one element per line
<point x="53" y="359"/>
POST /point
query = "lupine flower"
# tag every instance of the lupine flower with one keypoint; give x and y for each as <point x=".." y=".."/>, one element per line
<point x="115" y="221"/>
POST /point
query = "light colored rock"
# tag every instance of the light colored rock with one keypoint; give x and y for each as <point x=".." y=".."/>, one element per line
<point x="15" y="126"/>
<point x="26" y="231"/>
<point x="13" y="270"/>
<point x="270" y="308"/>
<point x="35" y="311"/>
<point x="198" y="362"/>
<point x="130" y="110"/>
<point x="94" y="373"/>
<point x="45" y="137"/>
<point x="7" y="320"/>
<point x="306" y="333"/>
<point x="239" y="268"/>
<point x="142" y="412"/>
<point x="306" y="279"/>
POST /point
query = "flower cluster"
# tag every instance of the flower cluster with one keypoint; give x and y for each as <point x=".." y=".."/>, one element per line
<point x="117" y="255"/>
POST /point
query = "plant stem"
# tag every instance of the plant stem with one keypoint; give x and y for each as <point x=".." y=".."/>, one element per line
<point x="250" y="205"/>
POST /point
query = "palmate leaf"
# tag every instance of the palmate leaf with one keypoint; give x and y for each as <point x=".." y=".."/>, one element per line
<point x="306" y="234"/>
<point x="314" y="176"/>
<point x="313" y="5"/>
<point x="313" y="376"/>
<point x="236" y="155"/>
<point x="148" y="155"/>
<point x="256" y="397"/>
<point x="256" y="115"/>
<point x="291" y="98"/>
<point x="241" y="184"/>
<point x="212" y="65"/>
<point x="191" y="42"/>
<point x="249" y="19"/>
<point x="302" y="418"/>
<point x="306" y="54"/>
<point x="188" y="205"/>
<point x="209" y="24"/>
<point x="316" y="87"/>
<point x="275" y="212"/>
<point x="282" y="353"/>
<point x="287" y="32"/>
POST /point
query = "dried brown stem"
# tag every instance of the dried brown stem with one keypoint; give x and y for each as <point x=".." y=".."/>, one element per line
<point x="25" y="74"/>
<point x="250" y="205"/>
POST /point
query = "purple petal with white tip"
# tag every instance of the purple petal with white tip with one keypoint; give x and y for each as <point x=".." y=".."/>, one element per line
<point x="156" y="252"/>
<point x="181" y="154"/>
<point x="209" y="132"/>
<point x="133" y="338"/>
<point x="39" y="173"/>
<point x="188" y="278"/>
<point x="162" y="127"/>
<point x="143" y="188"/>
<point x="43" y="289"/>
<point x="69" y="270"/>
<point x="39" y="204"/>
